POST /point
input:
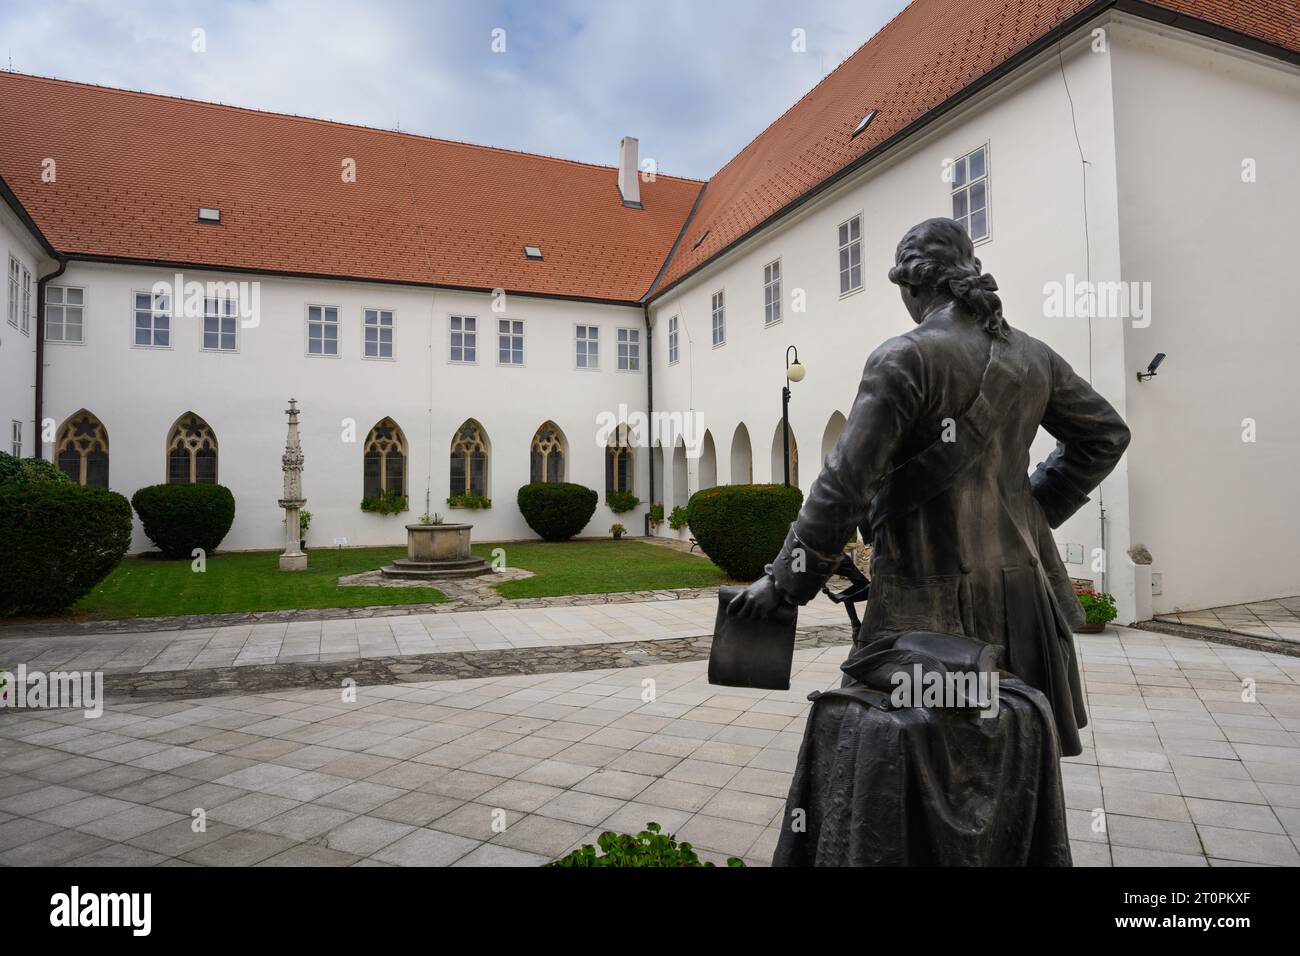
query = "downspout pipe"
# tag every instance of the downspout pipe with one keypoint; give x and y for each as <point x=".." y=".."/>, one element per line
<point x="40" y="353"/>
<point x="649" y="406"/>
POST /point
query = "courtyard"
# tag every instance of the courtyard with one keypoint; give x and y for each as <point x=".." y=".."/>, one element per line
<point x="590" y="717"/>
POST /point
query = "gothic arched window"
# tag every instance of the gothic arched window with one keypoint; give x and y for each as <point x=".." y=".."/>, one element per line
<point x="469" y="460"/>
<point x="619" y="461"/>
<point x="191" y="452"/>
<point x="82" y="451"/>
<point x="546" y="459"/>
<point x="384" y="465"/>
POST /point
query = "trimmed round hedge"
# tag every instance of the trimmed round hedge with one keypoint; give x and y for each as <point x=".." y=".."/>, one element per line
<point x="179" y="518"/>
<point x="556" y="510"/>
<point x="60" y="541"/>
<point x="742" y="527"/>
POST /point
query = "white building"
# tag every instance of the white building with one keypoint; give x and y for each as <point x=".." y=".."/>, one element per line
<point x="1148" y="149"/>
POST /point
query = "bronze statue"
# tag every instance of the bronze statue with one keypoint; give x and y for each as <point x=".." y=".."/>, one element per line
<point x="933" y="468"/>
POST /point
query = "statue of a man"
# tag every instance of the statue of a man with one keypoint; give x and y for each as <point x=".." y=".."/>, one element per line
<point x="933" y="468"/>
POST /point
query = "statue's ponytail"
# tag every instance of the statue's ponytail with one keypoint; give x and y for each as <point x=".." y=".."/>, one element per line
<point x="938" y="254"/>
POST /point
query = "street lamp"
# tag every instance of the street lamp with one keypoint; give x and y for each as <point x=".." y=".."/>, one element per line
<point x="794" y="372"/>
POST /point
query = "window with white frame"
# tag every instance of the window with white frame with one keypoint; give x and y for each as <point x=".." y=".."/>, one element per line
<point x="970" y="193"/>
<point x="16" y="439"/>
<point x="153" y="320"/>
<point x="672" y="341"/>
<point x="510" y="342"/>
<point x="464" y="338"/>
<point x="322" y="330"/>
<point x="629" y="350"/>
<point x="220" y="325"/>
<point x="64" y="314"/>
<point x="719" y="318"/>
<point x="11" y="303"/>
<point x="850" y="255"/>
<point x="379" y="333"/>
<point x="588" y="346"/>
<point x="772" y="292"/>
<point x="27" y="302"/>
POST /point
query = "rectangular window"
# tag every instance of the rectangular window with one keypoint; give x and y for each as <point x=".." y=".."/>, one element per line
<point x="772" y="292"/>
<point x="719" y="319"/>
<point x="588" y="345"/>
<point x="322" y="330"/>
<point x="510" y="342"/>
<point x="220" y="325"/>
<point x="11" y="303"/>
<point x="27" y="302"/>
<point x="464" y="338"/>
<point x="64" y="314"/>
<point x="629" y="350"/>
<point x="153" y="321"/>
<point x="851" y="255"/>
<point x="970" y="193"/>
<point x="16" y="439"/>
<point x="379" y="333"/>
<point x="672" y="341"/>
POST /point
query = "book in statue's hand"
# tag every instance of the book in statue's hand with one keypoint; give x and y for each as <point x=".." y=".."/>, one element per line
<point x="753" y="651"/>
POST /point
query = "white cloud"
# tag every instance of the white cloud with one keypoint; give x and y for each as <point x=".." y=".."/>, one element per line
<point x="694" y="81"/>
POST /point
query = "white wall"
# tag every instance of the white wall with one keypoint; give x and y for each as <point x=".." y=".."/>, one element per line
<point x="138" y="394"/>
<point x="1037" y="235"/>
<point x="1218" y="513"/>
<point x="18" y="351"/>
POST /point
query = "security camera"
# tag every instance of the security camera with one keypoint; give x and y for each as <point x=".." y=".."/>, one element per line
<point x="1151" y="369"/>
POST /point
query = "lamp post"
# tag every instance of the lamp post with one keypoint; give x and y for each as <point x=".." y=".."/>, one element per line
<point x="794" y="372"/>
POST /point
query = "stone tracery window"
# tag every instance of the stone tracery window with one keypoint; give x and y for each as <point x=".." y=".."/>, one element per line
<point x="384" y="469"/>
<point x="547" y="454"/>
<point x="82" y="450"/>
<point x="469" y="460"/>
<point x="619" y="461"/>
<point x="191" y="452"/>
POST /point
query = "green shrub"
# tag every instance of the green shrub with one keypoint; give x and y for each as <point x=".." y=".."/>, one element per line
<point x="621" y="501"/>
<point x="678" y="520"/>
<point x="179" y="518"/>
<point x="650" y="847"/>
<point x="27" y="471"/>
<point x="470" y="500"/>
<point x="60" y="540"/>
<point x="384" y="503"/>
<point x="656" y="515"/>
<point x="742" y="527"/>
<point x="556" y="511"/>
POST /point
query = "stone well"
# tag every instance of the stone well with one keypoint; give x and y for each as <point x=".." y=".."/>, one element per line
<point x="437" y="551"/>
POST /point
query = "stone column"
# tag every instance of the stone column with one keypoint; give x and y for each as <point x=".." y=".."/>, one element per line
<point x="293" y="558"/>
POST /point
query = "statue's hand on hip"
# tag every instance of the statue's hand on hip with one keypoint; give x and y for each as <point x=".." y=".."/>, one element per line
<point x="759" y="600"/>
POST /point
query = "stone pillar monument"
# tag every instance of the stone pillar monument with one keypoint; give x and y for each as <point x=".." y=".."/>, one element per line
<point x="293" y="558"/>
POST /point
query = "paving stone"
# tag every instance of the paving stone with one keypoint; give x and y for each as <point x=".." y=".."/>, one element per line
<point x="426" y="847"/>
<point x="576" y="807"/>
<point x="417" y="809"/>
<point x="250" y="810"/>
<point x="1137" y="856"/>
<point x="364" y="835"/>
<point x="129" y="824"/>
<point x="491" y="854"/>
<point x="1249" y="846"/>
<point x="545" y="836"/>
<point x="305" y="822"/>
<point x="1238" y="816"/>
<point x="308" y="855"/>
<point x="240" y="848"/>
<point x="52" y="849"/>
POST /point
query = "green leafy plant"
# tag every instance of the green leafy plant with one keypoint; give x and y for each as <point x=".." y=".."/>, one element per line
<point x="741" y="527"/>
<point x="470" y="500"/>
<point x="1098" y="606"/>
<point x="304" y="522"/>
<point x="650" y="847"/>
<point x="621" y="501"/>
<point x="384" y="503"/>
<point x="60" y="541"/>
<point x="656" y="515"/>
<point x="28" y="471"/>
<point x="434" y="518"/>
<point x="179" y="518"/>
<point x="617" y="530"/>
<point x="678" y="520"/>
<point x="556" y="510"/>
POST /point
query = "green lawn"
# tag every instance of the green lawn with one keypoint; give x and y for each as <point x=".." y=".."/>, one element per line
<point x="599" y="567"/>
<point x="245" y="581"/>
<point x="252" y="581"/>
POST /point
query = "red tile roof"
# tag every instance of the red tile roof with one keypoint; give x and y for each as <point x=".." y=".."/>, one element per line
<point x="928" y="53"/>
<point x="133" y="170"/>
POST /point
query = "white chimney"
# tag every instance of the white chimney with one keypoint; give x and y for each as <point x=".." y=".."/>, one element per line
<point x="629" y="179"/>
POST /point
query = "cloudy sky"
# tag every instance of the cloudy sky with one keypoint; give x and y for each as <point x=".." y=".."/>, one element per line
<point x="695" y="80"/>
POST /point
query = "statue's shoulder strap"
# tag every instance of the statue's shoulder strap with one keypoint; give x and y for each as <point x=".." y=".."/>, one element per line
<point x="936" y="467"/>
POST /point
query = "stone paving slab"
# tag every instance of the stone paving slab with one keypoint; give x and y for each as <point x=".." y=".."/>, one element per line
<point x="469" y="631"/>
<point x="1192" y="759"/>
<point x="1277" y="620"/>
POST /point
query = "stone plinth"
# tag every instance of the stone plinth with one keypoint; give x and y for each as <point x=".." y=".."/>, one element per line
<point x="437" y="551"/>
